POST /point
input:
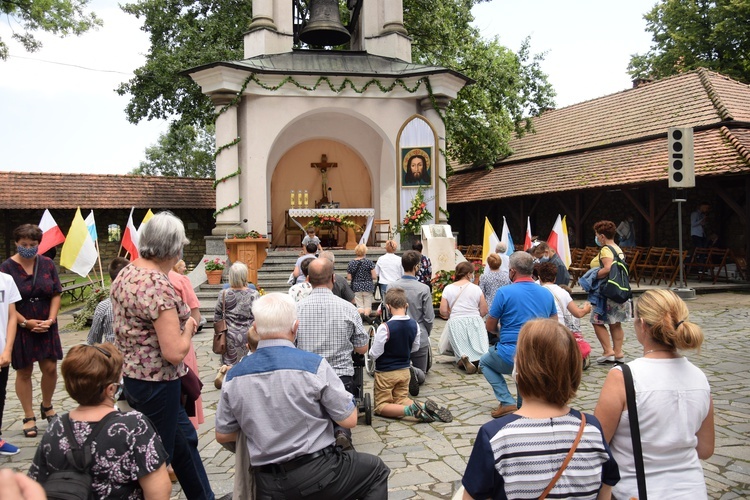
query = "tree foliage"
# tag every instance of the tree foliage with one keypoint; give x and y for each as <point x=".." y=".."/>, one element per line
<point x="183" y="151"/>
<point x="59" y="17"/>
<point x="479" y="123"/>
<point x="690" y="34"/>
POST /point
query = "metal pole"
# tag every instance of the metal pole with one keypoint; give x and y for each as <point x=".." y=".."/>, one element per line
<point x="679" y="238"/>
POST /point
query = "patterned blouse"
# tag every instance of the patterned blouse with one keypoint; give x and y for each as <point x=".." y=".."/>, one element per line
<point x="128" y="449"/>
<point x="491" y="281"/>
<point x="424" y="273"/>
<point x="361" y="273"/>
<point x="139" y="296"/>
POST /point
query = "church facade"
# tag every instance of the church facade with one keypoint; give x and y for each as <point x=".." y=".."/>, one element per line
<point x="333" y="128"/>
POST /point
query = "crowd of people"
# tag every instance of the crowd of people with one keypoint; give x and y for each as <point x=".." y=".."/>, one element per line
<point x="287" y="403"/>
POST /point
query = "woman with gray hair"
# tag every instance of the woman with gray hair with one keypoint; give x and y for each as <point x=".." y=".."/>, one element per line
<point x="153" y="330"/>
<point x="235" y="305"/>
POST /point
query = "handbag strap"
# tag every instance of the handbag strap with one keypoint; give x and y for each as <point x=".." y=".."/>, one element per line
<point x="224" y="304"/>
<point x="635" y="432"/>
<point x="567" y="460"/>
<point x="450" y="306"/>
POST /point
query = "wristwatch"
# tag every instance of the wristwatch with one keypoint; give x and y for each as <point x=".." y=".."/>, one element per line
<point x="23" y="324"/>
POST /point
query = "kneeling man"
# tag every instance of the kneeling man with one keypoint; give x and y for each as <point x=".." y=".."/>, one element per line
<point x="285" y="400"/>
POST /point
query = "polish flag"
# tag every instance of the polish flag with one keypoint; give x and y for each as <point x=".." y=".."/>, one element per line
<point x="130" y="238"/>
<point x="527" y="240"/>
<point x="558" y="239"/>
<point x="51" y="234"/>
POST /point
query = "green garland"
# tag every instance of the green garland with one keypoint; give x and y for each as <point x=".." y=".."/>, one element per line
<point x="233" y="174"/>
<point x="347" y="83"/>
<point x="230" y="206"/>
<point x="226" y="146"/>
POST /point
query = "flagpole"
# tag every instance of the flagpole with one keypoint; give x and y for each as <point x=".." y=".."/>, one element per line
<point x="99" y="258"/>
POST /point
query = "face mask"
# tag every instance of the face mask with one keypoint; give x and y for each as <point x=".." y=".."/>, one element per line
<point x="544" y="259"/>
<point x="514" y="374"/>
<point x="596" y="240"/>
<point x="27" y="253"/>
<point x="118" y="392"/>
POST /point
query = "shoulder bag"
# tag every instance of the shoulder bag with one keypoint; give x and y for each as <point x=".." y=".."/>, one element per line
<point x="220" y="328"/>
<point x="73" y="481"/>
<point x="617" y="286"/>
<point x="567" y="460"/>
<point x="635" y="432"/>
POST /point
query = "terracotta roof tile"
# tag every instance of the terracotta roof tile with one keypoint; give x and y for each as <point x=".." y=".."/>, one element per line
<point x="620" y="139"/>
<point x="103" y="191"/>
<point x="630" y="164"/>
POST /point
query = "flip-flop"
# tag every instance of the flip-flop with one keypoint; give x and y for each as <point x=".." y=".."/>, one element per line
<point x="602" y="360"/>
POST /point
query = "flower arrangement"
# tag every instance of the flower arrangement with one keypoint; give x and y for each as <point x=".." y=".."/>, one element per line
<point x="249" y="234"/>
<point x="415" y="216"/>
<point x="214" y="265"/>
<point x="332" y="220"/>
<point x="444" y="278"/>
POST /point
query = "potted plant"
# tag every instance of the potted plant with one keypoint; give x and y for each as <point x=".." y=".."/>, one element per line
<point x="248" y="235"/>
<point x="214" y="270"/>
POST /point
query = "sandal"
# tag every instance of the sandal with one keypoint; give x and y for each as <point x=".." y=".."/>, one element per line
<point x="420" y="413"/>
<point x="30" y="432"/>
<point x="45" y="410"/>
<point x="438" y="412"/>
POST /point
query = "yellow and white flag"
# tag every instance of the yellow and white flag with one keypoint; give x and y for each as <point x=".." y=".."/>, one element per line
<point x="78" y="251"/>
<point x="490" y="240"/>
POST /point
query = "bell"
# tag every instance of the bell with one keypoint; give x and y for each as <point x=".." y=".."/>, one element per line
<point x="324" y="27"/>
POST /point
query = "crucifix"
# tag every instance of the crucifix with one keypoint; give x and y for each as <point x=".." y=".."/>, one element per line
<point x="323" y="166"/>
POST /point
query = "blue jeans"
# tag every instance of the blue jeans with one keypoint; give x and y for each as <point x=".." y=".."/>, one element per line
<point x="493" y="368"/>
<point x="160" y="402"/>
<point x="383" y="287"/>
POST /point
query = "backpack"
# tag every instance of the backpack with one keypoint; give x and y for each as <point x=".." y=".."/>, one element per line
<point x="617" y="286"/>
<point x="74" y="481"/>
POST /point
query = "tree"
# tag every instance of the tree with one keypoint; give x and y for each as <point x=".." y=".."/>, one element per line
<point x="690" y="34"/>
<point x="60" y="17"/>
<point x="184" y="151"/>
<point x="479" y="123"/>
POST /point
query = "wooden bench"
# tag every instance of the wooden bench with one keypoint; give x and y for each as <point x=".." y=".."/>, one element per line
<point x="67" y="281"/>
<point x="76" y="291"/>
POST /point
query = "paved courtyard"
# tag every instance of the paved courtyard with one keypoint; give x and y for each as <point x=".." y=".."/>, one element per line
<point x="427" y="460"/>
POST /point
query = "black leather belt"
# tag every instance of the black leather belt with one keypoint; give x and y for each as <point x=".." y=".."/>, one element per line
<point x="295" y="463"/>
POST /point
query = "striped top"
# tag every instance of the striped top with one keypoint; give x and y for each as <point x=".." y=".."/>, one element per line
<point x="516" y="457"/>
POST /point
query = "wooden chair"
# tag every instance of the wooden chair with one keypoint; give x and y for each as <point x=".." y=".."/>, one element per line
<point x="676" y="271"/>
<point x="292" y="230"/>
<point x="632" y="256"/>
<point x="719" y="258"/>
<point x="668" y="268"/>
<point x="474" y="252"/>
<point x="381" y="231"/>
<point x="578" y="269"/>
<point x="648" y="264"/>
<point x="700" y="263"/>
<point x="741" y="264"/>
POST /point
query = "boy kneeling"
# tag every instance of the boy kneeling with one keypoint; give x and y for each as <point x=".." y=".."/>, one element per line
<point x="391" y="349"/>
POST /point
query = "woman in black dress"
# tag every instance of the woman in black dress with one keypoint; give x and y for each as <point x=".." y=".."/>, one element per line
<point x="37" y="338"/>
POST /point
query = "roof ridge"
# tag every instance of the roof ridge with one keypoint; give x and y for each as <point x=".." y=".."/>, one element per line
<point x="721" y="108"/>
<point x="736" y="143"/>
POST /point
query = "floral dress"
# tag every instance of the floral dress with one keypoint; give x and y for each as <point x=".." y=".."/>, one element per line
<point x="36" y="298"/>
<point x="128" y="449"/>
<point x="361" y="273"/>
<point x="236" y="307"/>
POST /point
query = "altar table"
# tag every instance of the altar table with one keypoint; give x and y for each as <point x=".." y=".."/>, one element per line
<point x="301" y="213"/>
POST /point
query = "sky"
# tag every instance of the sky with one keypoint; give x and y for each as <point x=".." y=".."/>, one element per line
<point x="59" y="111"/>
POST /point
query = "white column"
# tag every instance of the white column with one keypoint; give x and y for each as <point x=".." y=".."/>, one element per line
<point x="227" y="162"/>
<point x="393" y="19"/>
<point x="262" y="15"/>
<point x="431" y="114"/>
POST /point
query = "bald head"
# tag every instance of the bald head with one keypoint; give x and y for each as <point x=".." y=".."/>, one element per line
<point x="320" y="273"/>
